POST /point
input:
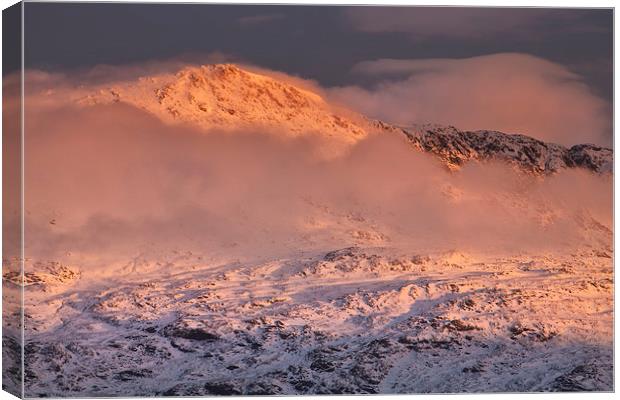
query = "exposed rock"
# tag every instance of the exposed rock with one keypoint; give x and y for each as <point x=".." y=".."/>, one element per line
<point x="456" y="147"/>
<point x="581" y="379"/>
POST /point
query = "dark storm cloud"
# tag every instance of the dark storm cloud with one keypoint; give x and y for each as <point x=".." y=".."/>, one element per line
<point x="321" y="43"/>
<point x="258" y="19"/>
<point x="478" y="23"/>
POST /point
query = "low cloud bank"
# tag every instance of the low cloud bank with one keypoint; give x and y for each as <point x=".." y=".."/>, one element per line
<point x="107" y="183"/>
<point x="512" y="93"/>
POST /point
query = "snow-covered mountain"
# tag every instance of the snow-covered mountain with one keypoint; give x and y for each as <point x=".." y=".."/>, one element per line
<point x="160" y="263"/>
<point x="227" y="97"/>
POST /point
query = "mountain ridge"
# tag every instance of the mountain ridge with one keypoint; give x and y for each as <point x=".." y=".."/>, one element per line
<point x="456" y="147"/>
<point x="227" y="97"/>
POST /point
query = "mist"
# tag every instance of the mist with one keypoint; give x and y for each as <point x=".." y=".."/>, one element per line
<point x="109" y="182"/>
<point x="508" y="92"/>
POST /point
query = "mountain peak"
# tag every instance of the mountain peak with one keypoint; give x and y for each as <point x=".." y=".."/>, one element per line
<point x="227" y="97"/>
<point x="213" y="72"/>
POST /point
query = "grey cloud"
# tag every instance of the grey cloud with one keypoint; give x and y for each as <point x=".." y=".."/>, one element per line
<point x="474" y="22"/>
<point x="253" y="20"/>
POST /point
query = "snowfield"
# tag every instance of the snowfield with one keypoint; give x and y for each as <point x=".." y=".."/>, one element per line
<point x="174" y="250"/>
<point x="352" y="320"/>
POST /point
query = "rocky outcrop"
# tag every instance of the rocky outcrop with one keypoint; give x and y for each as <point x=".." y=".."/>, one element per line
<point x="456" y="148"/>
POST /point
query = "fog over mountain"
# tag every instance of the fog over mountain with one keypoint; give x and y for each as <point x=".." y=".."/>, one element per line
<point x="226" y="229"/>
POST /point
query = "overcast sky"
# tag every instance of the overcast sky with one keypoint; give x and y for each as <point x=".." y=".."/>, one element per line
<point x="321" y="43"/>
